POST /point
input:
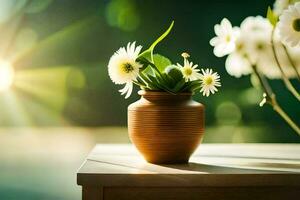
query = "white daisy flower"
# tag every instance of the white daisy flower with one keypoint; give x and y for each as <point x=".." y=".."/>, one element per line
<point x="188" y="70"/>
<point x="280" y="5"/>
<point x="224" y="42"/>
<point x="257" y="46"/>
<point x="261" y="54"/>
<point x="248" y="46"/>
<point x="237" y="63"/>
<point x="123" y="68"/>
<point x="264" y="59"/>
<point x="209" y="82"/>
<point x="295" y="54"/>
<point x="284" y="60"/>
<point x="289" y="26"/>
<point x="256" y="25"/>
<point x="257" y="31"/>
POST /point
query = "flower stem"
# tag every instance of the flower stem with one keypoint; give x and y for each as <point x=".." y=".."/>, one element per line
<point x="286" y="81"/>
<point x="139" y="84"/>
<point x="263" y="82"/>
<point x="271" y="99"/>
<point x="146" y="81"/>
<point x="291" y="61"/>
<point x="292" y="124"/>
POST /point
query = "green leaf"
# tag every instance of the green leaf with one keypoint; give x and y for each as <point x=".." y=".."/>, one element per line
<point x="148" y="67"/>
<point x="189" y="86"/>
<point x="158" y="40"/>
<point x="155" y="82"/>
<point x="178" y="87"/>
<point x="174" y="73"/>
<point x="140" y="82"/>
<point x="195" y="87"/>
<point x="149" y="71"/>
<point x="160" y="83"/>
<point x="168" y="80"/>
<point x="148" y="54"/>
<point x="272" y="17"/>
<point x="144" y="61"/>
<point x="148" y="82"/>
<point x="164" y="84"/>
<point x="161" y="62"/>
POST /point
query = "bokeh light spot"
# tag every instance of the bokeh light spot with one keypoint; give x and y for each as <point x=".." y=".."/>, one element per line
<point x="250" y="96"/>
<point x="25" y="39"/>
<point x="228" y="113"/>
<point x="122" y="14"/>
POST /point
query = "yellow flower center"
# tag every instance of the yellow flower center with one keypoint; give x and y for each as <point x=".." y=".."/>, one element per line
<point x="239" y="46"/>
<point x="296" y="24"/>
<point x="188" y="71"/>
<point x="127" y="67"/>
<point x="208" y="80"/>
<point x="260" y="46"/>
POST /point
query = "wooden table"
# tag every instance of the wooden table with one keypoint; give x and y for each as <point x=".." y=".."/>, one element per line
<point x="216" y="171"/>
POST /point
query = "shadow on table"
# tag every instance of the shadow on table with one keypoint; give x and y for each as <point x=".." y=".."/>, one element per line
<point x="250" y="157"/>
<point x="245" y="169"/>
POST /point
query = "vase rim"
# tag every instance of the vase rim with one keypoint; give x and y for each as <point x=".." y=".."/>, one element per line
<point x="162" y="93"/>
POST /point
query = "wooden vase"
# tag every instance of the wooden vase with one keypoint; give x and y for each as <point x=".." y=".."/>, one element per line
<point x="166" y="128"/>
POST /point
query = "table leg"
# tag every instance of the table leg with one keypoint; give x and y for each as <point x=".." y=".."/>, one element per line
<point x="92" y="193"/>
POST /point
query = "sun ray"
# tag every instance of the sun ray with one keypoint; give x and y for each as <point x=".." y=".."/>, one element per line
<point x="40" y="82"/>
<point x="48" y="85"/>
<point x="65" y="45"/>
<point x="13" y="111"/>
<point x="6" y="75"/>
<point x="41" y="114"/>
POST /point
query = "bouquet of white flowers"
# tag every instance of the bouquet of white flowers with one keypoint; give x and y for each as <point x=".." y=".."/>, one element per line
<point x="155" y="72"/>
<point x="266" y="48"/>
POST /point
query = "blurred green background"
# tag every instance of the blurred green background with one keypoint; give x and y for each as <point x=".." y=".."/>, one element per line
<point x="59" y="50"/>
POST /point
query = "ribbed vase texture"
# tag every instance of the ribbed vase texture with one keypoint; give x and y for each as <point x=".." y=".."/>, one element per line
<point x="166" y="128"/>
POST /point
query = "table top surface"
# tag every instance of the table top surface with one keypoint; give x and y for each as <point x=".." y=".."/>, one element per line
<point x="107" y="163"/>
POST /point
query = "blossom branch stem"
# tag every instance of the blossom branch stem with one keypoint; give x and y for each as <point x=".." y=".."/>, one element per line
<point x="286" y="81"/>
<point x="291" y="61"/>
<point x="292" y="124"/>
<point x="265" y="85"/>
<point x="271" y="99"/>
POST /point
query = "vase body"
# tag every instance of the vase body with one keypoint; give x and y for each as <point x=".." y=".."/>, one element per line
<point x="166" y="128"/>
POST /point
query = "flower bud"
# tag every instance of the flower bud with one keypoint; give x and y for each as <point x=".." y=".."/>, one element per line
<point x="174" y="72"/>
